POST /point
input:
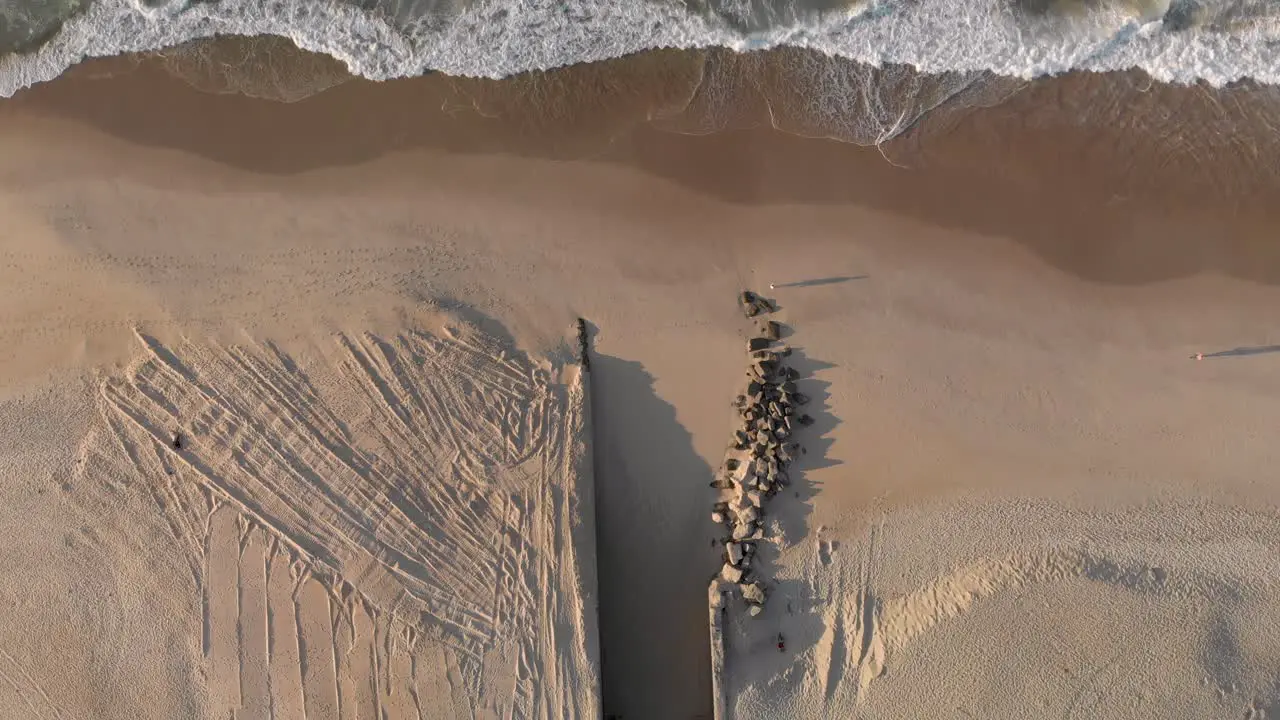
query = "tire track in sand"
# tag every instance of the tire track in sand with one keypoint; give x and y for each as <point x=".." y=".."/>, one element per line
<point x="386" y="533"/>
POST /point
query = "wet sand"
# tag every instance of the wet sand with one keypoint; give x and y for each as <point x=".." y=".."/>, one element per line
<point x="1014" y="303"/>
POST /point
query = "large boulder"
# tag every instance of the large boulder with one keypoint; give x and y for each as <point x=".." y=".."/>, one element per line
<point x="731" y="573"/>
<point x="753" y="593"/>
<point x="734" y="552"/>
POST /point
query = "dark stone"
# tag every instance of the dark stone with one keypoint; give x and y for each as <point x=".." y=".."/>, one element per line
<point x="805" y="420"/>
<point x="731" y="464"/>
<point x="753" y="387"/>
<point x="791" y="373"/>
<point x="788" y="387"/>
<point x="757" y="343"/>
<point x="584" y="344"/>
<point x="800" y="398"/>
<point x="771" y="329"/>
<point x="178" y="441"/>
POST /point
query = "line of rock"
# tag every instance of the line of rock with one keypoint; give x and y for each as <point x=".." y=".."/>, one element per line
<point x="762" y="447"/>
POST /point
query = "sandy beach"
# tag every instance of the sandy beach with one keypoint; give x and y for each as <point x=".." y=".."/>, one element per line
<point x="1022" y="495"/>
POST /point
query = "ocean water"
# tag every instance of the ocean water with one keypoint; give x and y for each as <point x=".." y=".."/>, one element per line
<point x="1192" y="85"/>
<point x="1182" y="41"/>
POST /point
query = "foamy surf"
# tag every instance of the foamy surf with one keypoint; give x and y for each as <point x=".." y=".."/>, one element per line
<point x="1173" y="42"/>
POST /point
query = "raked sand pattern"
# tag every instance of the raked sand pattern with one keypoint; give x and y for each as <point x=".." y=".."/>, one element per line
<point x="400" y="531"/>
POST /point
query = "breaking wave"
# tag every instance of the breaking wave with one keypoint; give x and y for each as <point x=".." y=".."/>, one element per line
<point x="1179" y="41"/>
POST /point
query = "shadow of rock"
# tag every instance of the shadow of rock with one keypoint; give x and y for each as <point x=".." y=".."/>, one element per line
<point x="652" y="500"/>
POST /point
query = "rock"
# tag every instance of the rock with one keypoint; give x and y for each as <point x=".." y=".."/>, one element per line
<point x="742" y="531"/>
<point x="722" y="483"/>
<point x="800" y="398"/>
<point x="753" y="387"/>
<point x="754" y="610"/>
<point x="788" y="387"/>
<point x="755" y="499"/>
<point x="731" y="573"/>
<point x="717" y="518"/>
<point x="734" y="552"/>
<point x="775" y="409"/>
<point x="753" y="304"/>
<point x="782" y="479"/>
<point x="805" y="420"/>
<point x="791" y="373"/>
<point x="758" y="343"/>
<point x="749" y="514"/>
<point x="753" y="593"/>
<point x="771" y="329"/>
<point x="740" y="439"/>
<point x="784" y="454"/>
<point x="731" y="464"/>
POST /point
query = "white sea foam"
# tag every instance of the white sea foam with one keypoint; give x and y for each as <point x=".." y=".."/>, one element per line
<point x="497" y="38"/>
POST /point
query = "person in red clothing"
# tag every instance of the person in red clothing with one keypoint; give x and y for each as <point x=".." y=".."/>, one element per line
<point x="782" y="646"/>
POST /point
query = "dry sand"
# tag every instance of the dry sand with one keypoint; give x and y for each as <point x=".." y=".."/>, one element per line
<point x="1021" y="496"/>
